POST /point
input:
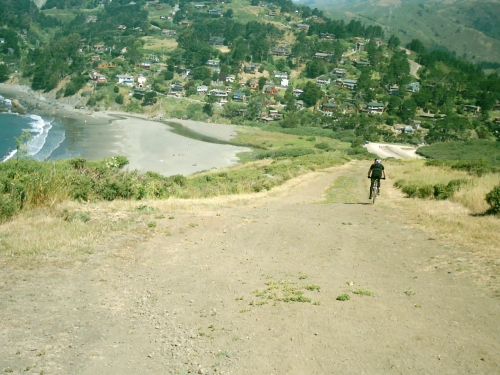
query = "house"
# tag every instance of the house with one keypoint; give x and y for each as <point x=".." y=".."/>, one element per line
<point x="375" y="108"/>
<point x="2" y="40"/>
<point x="413" y="87"/>
<point x="213" y="63"/>
<point x="100" y="48"/>
<point x="272" y="115"/>
<point x="323" y="80"/>
<point x="299" y="104"/>
<point x="146" y="65"/>
<point x="163" y="17"/>
<point x="141" y="81"/>
<point x="339" y="72"/>
<point x="254" y="84"/>
<point x="361" y="64"/>
<point x="324" y="56"/>
<point x="100" y="78"/>
<point x="251" y="68"/>
<point x="284" y="82"/>
<point x="125" y="79"/>
<point x="239" y="96"/>
<point x="297" y="92"/>
<point x="91" y="19"/>
<point x="106" y="65"/>
<point x="168" y="33"/>
<point x="303" y="26"/>
<point x="122" y="27"/>
<point x="329" y="107"/>
<point x="177" y="87"/>
<point x="272" y="13"/>
<point x="219" y="94"/>
<point x="270" y="90"/>
<point x="327" y="36"/>
<point x="199" y="6"/>
<point x="393" y="89"/>
<point x="408" y="129"/>
<point x="216" y="40"/>
<point x="359" y="46"/>
<point x="474" y="109"/>
<point x="280" y="75"/>
<point x="202" y="89"/>
<point x="215" y="12"/>
<point x="185" y="23"/>
<point x="230" y="79"/>
<point x="349" y="83"/>
<point x="280" y="51"/>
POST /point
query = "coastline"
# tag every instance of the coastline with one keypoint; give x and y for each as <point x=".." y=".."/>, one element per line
<point x="149" y="145"/>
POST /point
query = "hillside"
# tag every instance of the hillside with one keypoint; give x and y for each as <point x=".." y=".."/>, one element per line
<point x="471" y="29"/>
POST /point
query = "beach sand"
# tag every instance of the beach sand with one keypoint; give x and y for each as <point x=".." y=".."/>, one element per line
<point x="149" y="145"/>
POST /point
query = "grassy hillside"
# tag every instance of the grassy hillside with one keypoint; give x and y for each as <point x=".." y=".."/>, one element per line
<point x="469" y="28"/>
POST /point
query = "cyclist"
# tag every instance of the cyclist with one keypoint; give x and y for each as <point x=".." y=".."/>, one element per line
<point x="375" y="173"/>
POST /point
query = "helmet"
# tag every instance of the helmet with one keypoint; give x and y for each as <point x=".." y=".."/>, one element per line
<point x="378" y="161"/>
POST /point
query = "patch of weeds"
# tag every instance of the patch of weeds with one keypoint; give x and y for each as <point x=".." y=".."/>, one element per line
<point x="211" y="326"/>
<point x="343" y="297"/>
<point x="239" y="298"/>
<point x="152" y="224"/>
<point x="144" y="208"/>
<point x="222" y="354"/>
<point x="312" y="287"/>
<point x="283" y="291"/>
<point x="409" y="293"/>
<point x="236" y="338"/>
<point x="160" y="216"/>
<point x="362" y="292"/>
<point x="347" y="223"/>
<point x="302" y="277"/>
<point x="8" y="369"/>
<point x="244" y="311"/>
<point x="171" y="217"/>
<point x="316" y="303"/>
<point x="417" y="305"/>
<point x="193" y="225"/>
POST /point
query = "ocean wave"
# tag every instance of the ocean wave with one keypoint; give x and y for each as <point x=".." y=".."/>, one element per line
<point x="40" y="128"/>
<point x="11" y="154"/>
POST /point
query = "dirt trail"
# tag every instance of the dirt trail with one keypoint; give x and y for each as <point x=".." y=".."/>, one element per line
<point x="208" y="298"/>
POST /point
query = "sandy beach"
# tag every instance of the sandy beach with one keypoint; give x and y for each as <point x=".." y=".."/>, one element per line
<point x="149" y="145"/>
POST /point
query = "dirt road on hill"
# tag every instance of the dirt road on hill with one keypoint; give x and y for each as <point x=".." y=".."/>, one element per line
<point x="249" y="285"/>
<point x="385" y="150"/>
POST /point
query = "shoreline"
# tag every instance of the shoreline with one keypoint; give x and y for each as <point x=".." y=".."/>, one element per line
<point x="149" y="145"/>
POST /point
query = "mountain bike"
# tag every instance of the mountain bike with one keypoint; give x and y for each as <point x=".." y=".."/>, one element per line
<point x="375" y="189"/>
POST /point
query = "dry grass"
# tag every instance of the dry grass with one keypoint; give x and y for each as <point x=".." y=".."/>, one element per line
<point x="459" y="221"/>
<point x="157" y="43"/>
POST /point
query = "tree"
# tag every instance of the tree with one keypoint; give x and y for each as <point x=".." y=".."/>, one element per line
<point x="312" y="93"/>
<point x="315" y="68"/>
<point x="393" y="42"/>
<point x="229" y="13"/>
<point x="4" y="76"/>
<point x="208" y="109"/>
<point x="150" y="98"/>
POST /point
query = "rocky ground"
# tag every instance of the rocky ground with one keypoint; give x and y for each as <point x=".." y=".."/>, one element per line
<point x="288" y="282"/>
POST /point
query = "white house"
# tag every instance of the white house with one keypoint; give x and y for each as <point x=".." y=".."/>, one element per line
<point x="284" y="82"/>
<point x="125" y="79"/>
<point x="202" y="89"/>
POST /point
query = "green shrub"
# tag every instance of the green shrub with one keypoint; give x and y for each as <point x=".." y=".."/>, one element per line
<point x="322" y="146"/>
<point x="285" y="153"/>
<point x="410" y="191"/>
<point x="425" y="191"/>
<point x="493" y="199"/>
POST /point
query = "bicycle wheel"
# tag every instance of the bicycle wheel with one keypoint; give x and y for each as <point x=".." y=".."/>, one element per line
<point x="374" y="193"/>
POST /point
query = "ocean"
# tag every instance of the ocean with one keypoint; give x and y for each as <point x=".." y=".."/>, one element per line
<point x="50" y="138"/>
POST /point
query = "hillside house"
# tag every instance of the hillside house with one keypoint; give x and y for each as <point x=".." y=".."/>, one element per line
<point x="213" y="63"/>
<point x="394" y="89"/>
<point x="361" y="64"/>
<point x="284" y="82"/>
<point x="2" y="40"/>
<point x="100" y="78"/>
<point x="154" y="58"/>
<point x="202" y="89"/>
<point x="297" y="92"/>
<point x="272" y="13"/>
<point x="168" y="33"/>
<point x="199" y="6"/>
<point x="375" y="108"/>
<point x="349" y="84"/>
<point x="230" y="79"/>
<point x="474" y="109"/>
<point x="239" y="96"/>
<point x="125" y="79"/>
<point x="270" y="90"/>
<point x="122" y="27"/>
<point x="221" y="94"/>
<point x="323" y="81"/>
<point x="324" y="56"/>
<point x="329" y="108"/>
<point x="177" y="87"/>
<point x="254" y="84"/>
<point x="281" y="51"/>
<point x="146" y="65"/>
<point x="413" y="87"/>
<point x="327" y="36"/>
<point x="340" y="73"/>
<point x="185" y="23"/>
<point x="272" y="115"/>
<point x="100" y="48"/>
<point x="303" y="26"/>
<point x="215" y="12"/>
<point x="216" y="40"/>
<point x="141" y="81"/>
<point x="280" y="75"/>
<point x="251" y="68"/>
<point x="358" y="47"/>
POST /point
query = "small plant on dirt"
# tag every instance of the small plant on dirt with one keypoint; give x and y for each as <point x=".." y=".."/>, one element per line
<point x="312" y="287"/>
<point x="316" y="303"/>
<point x="222" y="354"/>
<point x="302" y="277"/>
<point x="362" y="292"/>
<point x="160" y="216"/>
<point x="343" y="297"/>
<point x="193" y="225"/>
<point x="409" y="293"/>
<point x="144" y="208"/>
<point x="171" y="217"/>
<point x="152" y="224"/>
